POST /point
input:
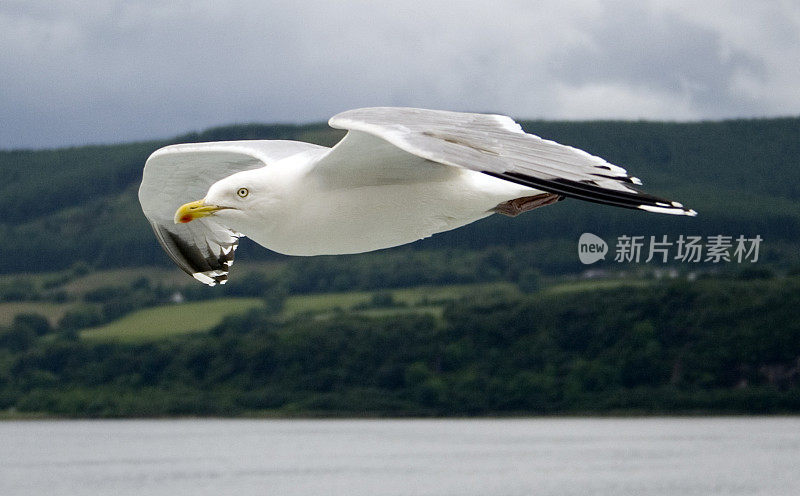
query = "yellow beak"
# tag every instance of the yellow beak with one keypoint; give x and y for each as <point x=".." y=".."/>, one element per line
<point x="194" y="210"/>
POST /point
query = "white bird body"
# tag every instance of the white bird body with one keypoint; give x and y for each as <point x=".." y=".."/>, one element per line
<point x="307" y="215"/>
<point x="399" y="175"/>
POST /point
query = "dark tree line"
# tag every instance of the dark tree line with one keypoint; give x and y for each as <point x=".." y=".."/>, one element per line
<point x="717" y="345"/>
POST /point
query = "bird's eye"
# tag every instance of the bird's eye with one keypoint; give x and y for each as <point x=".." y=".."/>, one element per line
<point x="242" y="192"/>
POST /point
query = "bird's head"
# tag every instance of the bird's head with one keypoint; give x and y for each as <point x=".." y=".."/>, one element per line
<point x="235" y="199"/>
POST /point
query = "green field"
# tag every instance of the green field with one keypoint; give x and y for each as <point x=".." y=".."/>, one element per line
<point x="432" y="310"/>
<point x="168" y="320"/>
<point x="53" y="311"/>
<point x="596" y="285"/>
<point x="324" y="302"/>
<point x="423" y="296"/>
<point x="124" y="277"/>
<point x="172" y="319"/>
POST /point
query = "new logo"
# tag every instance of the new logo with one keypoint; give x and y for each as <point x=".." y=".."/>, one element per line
<point x="591" y="248"/>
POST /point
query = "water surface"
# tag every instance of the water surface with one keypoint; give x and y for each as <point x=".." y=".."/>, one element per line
<point x="648" y="456"/>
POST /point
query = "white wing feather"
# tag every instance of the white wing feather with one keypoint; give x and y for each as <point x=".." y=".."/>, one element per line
<point x="496" y="145"/>
<point x="178" y="174"/>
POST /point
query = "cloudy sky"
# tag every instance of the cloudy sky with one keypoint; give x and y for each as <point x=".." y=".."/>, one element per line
<point x="92" y="71"/>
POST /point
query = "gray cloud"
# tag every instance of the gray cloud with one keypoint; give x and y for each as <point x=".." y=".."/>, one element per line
<point x="102" y="71"/>
<point x="663" y="53"/>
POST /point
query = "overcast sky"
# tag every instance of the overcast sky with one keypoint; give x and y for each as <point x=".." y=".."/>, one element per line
<point x="92" y="71"/>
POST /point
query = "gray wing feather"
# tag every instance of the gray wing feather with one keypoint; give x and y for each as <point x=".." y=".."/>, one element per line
<point x="352" y="163"/>
<point x="496" y="145"/>
<point x="178" y="174"/>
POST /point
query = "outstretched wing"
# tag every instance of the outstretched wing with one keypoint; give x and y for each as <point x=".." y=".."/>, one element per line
<point x="496" y="145"/>
<point x="178" y="174"/>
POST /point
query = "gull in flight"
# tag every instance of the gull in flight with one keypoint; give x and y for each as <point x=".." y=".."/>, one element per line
<point x="398" y="175"/>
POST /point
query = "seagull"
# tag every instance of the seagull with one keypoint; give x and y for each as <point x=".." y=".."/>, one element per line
<point x="398" y="175"/>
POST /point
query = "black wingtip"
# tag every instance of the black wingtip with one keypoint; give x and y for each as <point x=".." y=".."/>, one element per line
<point x="208" y="268"/>
<point x="589" y="192"/>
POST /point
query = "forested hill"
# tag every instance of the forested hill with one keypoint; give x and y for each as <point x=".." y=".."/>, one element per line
<point x="73" y="205"/>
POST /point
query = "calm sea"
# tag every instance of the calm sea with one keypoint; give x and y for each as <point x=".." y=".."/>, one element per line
<point x="650" y="456"/>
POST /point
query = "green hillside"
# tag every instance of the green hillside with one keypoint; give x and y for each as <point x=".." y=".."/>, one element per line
<point x="79" y="204"/>
<point x="499" y="317"/>
<point x="713" y="346"/>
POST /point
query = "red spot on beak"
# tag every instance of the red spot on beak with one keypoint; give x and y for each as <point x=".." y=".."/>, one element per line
<point x="186" y="218"/>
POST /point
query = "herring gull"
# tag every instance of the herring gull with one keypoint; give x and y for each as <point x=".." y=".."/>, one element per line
<point x="398" y="175"/>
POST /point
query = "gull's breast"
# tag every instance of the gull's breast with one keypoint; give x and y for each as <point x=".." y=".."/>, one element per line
<point x="320" y="221"/>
